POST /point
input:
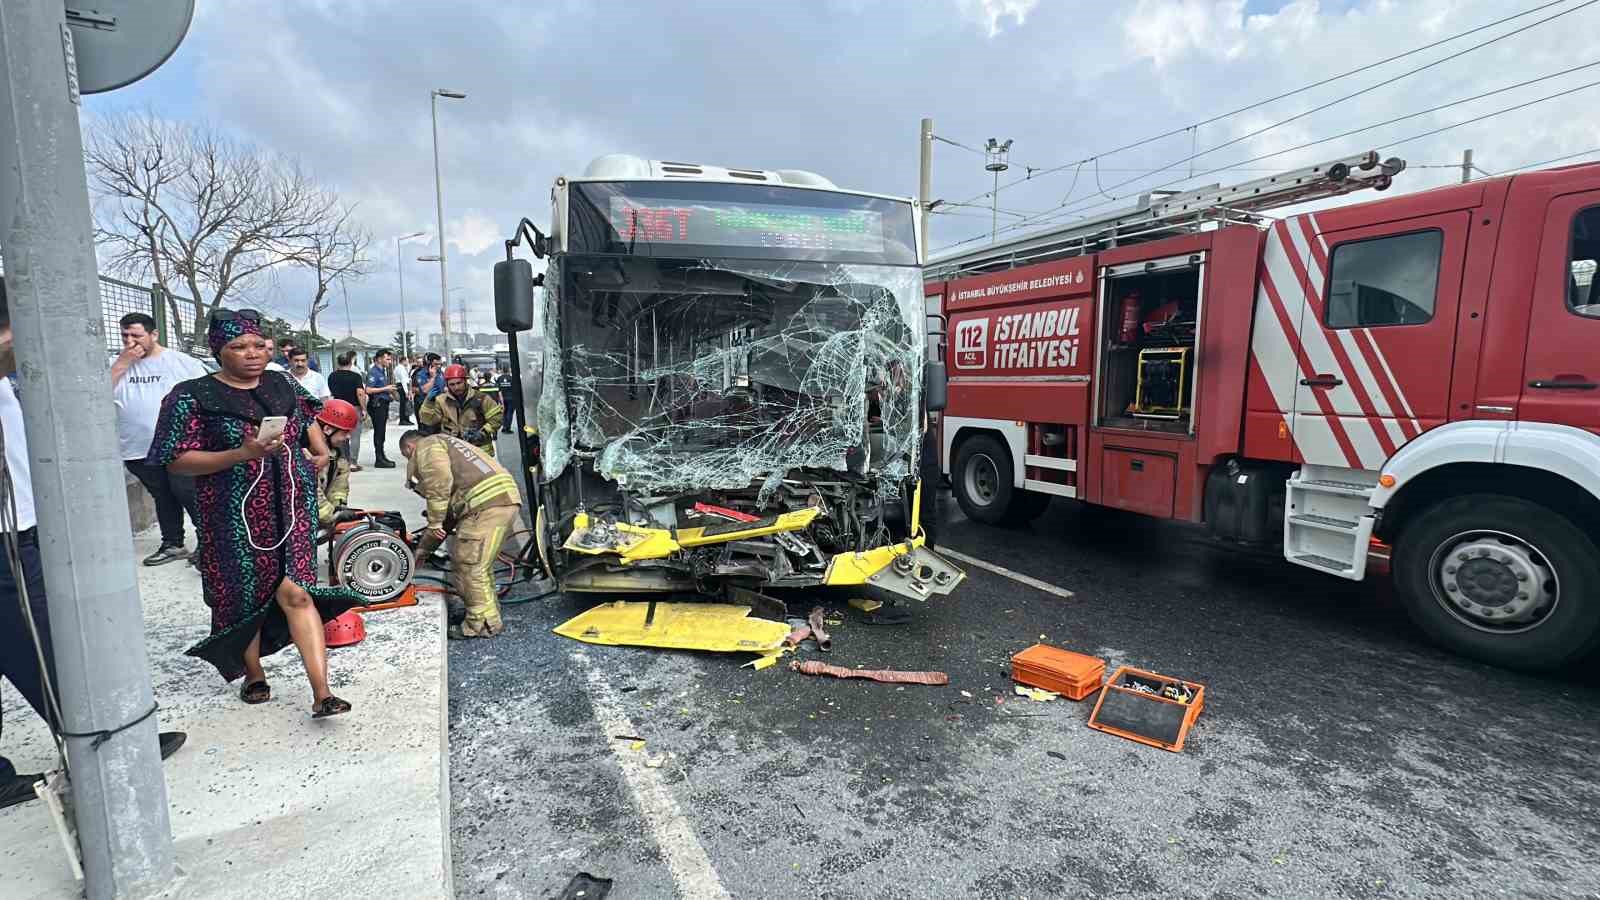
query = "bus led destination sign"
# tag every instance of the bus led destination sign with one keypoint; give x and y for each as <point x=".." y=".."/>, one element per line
<point x="747" y="225"/>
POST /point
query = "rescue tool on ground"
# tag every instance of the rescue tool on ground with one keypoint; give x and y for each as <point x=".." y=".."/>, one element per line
<point x="734" y="385"/>
<point x="1420" y="371"/>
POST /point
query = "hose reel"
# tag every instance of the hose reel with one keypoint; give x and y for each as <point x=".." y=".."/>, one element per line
<point x="371" y="558"/>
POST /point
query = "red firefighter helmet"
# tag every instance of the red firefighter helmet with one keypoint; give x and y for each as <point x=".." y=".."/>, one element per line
<point x="453" y="371"/>
<point x="340" y="414"/>
<point x="344" y="630"/>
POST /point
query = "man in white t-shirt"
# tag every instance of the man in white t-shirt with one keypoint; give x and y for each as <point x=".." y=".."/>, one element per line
<point x="140" y="379"/>
<point x="312" y="381"/>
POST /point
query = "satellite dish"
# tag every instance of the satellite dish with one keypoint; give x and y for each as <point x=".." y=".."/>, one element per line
<point x="118" y="42"/>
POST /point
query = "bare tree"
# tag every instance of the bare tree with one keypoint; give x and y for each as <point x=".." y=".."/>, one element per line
<point x="336" y="252"/>
<point x="183" y="203"/>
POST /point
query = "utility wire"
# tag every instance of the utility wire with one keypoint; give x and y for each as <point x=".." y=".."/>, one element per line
<point x="1054" y="215"/>
<point x="1545" y="162"/>
<point x="970" y="149"/>
<point x="1406" y="140"/>
<point x="1366" y="90"/>
<point x="1412" y="115"/>
<point x="956" y="144"/>
<point x="1330" y="79"/>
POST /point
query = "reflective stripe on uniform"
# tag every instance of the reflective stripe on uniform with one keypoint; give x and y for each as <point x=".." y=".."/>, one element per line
<point x="489" y="488"/>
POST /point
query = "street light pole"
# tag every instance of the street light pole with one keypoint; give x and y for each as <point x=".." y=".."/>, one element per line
<point x="400" y="267"/>
<point x="438" y="199"/>
<point x="995" y="154"/>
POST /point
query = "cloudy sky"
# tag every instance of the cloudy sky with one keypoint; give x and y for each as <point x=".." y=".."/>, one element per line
<point x="838" y="86"/>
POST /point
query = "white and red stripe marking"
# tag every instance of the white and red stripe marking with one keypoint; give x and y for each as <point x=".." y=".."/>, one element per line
<point x="1357" y="424"/>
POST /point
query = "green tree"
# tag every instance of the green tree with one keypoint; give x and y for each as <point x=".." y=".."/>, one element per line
<point x="404" y="342"/>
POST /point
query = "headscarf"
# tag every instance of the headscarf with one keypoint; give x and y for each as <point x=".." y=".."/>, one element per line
<point x="224" y="330"/>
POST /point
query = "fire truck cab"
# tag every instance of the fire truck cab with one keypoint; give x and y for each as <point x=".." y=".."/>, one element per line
<point x="1421" y="372"/>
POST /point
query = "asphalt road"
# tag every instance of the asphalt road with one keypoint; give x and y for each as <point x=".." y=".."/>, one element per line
<point x="1338" y="754"/>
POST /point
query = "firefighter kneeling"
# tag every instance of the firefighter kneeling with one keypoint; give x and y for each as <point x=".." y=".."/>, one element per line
<point x="337" y="419"/>
<point x="462" y="411"/>
<point x="470" y="494"/>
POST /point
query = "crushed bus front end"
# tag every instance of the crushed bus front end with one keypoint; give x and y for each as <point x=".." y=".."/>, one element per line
<point x="744" y="415"/>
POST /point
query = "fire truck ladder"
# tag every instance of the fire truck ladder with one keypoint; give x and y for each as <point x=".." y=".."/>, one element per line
<point x="1165" y="215"/>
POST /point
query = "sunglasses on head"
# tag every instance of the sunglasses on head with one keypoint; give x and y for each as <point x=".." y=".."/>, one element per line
<point x="236" y="315"/>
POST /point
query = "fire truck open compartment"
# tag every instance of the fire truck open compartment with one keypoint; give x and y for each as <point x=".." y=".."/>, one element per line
<point x="1148" y="359"/>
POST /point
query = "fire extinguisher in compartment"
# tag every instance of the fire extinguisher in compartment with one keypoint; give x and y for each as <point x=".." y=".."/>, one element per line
<point x="1128" y="328"/>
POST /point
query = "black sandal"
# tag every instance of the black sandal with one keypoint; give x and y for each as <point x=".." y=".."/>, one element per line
<point x="255" y="692"/>
<point x="329" y="706"/>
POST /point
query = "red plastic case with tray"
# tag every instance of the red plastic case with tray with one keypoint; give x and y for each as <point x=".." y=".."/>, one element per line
<point x="1152" y="709"/>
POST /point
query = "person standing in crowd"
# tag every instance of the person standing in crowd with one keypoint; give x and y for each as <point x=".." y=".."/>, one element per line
<point x="289" y="345"/>
<point x="467" y="492"/>
<point x="381" y="389"/>
<point x="337" y="420"/>
<point x="402" y="382"/>
<point x="140" y="378"/>
<point x="347" y="384"/>
<point x="502" y="379"/>
<point x="462" y="411"/>
<point x="19" y="656"/>
<point x="300" y="368"/>
<point x="273" y="357"/>
<point x="429" y="379"/>
<point x="258" y="503"/>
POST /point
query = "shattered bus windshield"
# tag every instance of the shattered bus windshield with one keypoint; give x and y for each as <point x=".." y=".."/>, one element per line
<point x="684" y="373"/>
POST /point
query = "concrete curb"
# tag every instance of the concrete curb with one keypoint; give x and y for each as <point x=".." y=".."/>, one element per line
<point x="447" y="888"/>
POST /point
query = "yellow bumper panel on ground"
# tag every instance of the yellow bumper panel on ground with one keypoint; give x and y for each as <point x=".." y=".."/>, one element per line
<point x="718" y="627"/>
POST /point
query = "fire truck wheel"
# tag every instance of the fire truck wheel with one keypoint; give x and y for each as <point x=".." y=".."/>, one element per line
<point x="981" y="481"/>
<point x="1502" y="580"/>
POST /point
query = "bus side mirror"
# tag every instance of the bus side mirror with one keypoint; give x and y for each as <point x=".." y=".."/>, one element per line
<point x="513" y="295"/>
<point x="935" y="387"/>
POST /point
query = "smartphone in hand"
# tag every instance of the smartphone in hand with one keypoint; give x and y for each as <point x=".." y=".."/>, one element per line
<point x="272" y="428"/>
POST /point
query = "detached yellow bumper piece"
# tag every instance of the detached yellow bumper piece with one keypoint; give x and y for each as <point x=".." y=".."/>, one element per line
<point x="718" y="627"/>
<point x="632" y="542"/>
<point x="908" y="569"/>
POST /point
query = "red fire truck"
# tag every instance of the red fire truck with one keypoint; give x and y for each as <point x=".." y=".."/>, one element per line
<point x="1420" y="373"/>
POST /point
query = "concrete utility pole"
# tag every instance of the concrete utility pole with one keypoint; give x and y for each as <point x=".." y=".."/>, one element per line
<point x="925" y="184"/>
<point x="1466" y="166"/>
<point x="102" y="672"/>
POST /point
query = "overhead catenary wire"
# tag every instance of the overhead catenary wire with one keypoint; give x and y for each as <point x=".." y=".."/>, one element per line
<point x="1358" y="93"/>
<point x="971" y="149"/>
<point x="1391" y="121"/>
<point x="1545" y="162"/>
<point x="1057" y="214"/>
<point x="1077" y="164"/>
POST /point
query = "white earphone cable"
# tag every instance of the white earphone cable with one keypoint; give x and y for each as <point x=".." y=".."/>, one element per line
<point x="293" y="511"/>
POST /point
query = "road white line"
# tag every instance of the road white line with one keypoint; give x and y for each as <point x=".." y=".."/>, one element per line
<point x="686" y="857"/>
<point x="1018" y="577"/>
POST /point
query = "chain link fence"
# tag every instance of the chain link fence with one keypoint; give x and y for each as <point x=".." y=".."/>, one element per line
<point x="118" y="298"/>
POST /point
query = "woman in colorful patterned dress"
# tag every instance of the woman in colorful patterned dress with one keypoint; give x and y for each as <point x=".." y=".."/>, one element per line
<point x="257" y="500"/>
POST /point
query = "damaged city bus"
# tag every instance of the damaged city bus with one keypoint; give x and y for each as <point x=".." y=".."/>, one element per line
<point x="734" y="384"/>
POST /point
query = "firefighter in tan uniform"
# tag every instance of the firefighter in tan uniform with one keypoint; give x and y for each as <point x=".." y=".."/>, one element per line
<point x="463" y="411"/>
<point x="474" y="497"/>
<point x="337" y="419"/>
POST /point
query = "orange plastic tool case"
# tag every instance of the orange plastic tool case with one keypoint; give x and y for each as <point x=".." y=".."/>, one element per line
<point x="1072" y="675"/>
<point x="1152" y="709"/>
